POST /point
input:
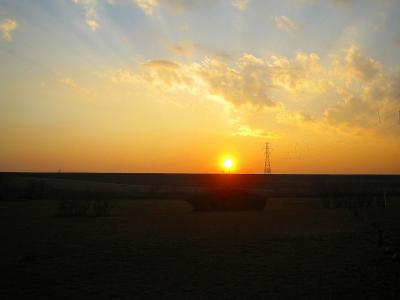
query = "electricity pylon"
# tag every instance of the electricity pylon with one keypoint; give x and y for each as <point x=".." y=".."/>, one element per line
<point x="267" y="162"/>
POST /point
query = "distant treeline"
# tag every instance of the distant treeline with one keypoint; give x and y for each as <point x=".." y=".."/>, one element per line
<point x="168" y="186"/>
<point x="13" y="188"/>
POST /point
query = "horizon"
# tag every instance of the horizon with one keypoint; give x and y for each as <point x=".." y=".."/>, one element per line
<point x="181" y="173"/>
<point x="180" y="86"/>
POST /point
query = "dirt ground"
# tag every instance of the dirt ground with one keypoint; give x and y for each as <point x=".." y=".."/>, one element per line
<point x="152" y="249"/>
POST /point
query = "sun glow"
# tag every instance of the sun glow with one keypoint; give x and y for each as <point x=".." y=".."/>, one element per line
<point x="228" y="165"/>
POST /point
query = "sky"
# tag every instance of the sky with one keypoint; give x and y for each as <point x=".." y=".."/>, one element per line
<point x="178" y="85"/>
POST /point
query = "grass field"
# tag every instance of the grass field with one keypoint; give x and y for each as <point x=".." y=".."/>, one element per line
<point x="151" y="249"/>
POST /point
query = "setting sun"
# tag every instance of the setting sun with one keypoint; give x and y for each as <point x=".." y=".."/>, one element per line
<point x="228" y="165"/>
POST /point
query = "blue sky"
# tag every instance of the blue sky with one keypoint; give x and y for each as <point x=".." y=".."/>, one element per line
<point x="56" y="30"/>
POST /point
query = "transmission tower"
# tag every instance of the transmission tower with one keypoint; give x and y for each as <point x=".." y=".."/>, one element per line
<point x="267" y="162"/>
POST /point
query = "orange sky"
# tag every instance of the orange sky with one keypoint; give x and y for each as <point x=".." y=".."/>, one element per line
<point x="149" y="86"/>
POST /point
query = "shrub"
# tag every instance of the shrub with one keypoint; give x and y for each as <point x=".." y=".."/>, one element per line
<point x="73" y="208"/>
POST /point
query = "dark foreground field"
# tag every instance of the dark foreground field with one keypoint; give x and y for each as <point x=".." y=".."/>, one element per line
<point x="151" y="249"/>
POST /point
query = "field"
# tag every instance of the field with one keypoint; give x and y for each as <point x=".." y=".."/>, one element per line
<point x="295" y="248"/>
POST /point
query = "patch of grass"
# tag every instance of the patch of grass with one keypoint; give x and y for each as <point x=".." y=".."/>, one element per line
<point x="37" y="189"/>
<point x="9" y="189"/>
<point x="73" y="207"/>
<point x="227" y="200"/>
<point x="83" y="204"/>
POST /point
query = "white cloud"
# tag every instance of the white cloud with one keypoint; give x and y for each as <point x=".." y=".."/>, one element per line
<point x="189" y="49"/>
<point x="284" y="23"/>
<point x="240" y="4"/>
<point x="184" y="48"/>
<point x="177" y="6"/>
<point x="90" y="8"/>
<point x="147" y="6"/>
<point x="7" y="26"/>
<point x="93" y="24"/>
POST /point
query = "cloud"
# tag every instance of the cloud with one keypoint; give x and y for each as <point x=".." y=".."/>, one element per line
<point x="90" y="8"/>
<point x="370" y="95"/>
<point x="334" y="2"/>
<point x="244" y="83"/>
<point x="342" y="2"/>
<point x="184" y="48"/>
<point x="177" y="6"/>
<point x="303" y="74"/>
<point x="162" y="64"/>
<point x="122" y="75"/>
<point x="7" y="26"/>
<point x="240" y="4"/>
<point x="147" y="6"/>
<point x="76" y="87"/>
<point x="93" y="24"/>
<point x="351" y="111"/>
<point x="284" y="23"/>
<point x="189" y="49"/>
<point x="183" y="5"/>
<point x="246" y="130"/>
<point x="169" y="75"/>
<point x="248" y="80"/>
<point x="393" y="86"/>
<point x="344" y="93"/>
<point x="360" y="65"/>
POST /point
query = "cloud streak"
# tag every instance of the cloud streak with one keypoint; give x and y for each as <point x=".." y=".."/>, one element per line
<point x="91" y="16"/>
<point x="147" y="6"/>
<point x="240" y="4"/>
<point x="7" y="26"/>
<point x="285" y="23"/>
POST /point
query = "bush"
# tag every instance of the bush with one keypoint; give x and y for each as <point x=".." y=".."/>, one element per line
<point x="76" y="208"/>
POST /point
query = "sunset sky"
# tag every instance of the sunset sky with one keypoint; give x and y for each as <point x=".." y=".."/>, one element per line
<point x="177" y="85"/>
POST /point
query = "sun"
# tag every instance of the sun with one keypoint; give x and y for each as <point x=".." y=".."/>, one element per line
<point x="228" y="165"/>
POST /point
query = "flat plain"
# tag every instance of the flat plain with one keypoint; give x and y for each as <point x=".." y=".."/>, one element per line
<point x="151" y="249"/>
